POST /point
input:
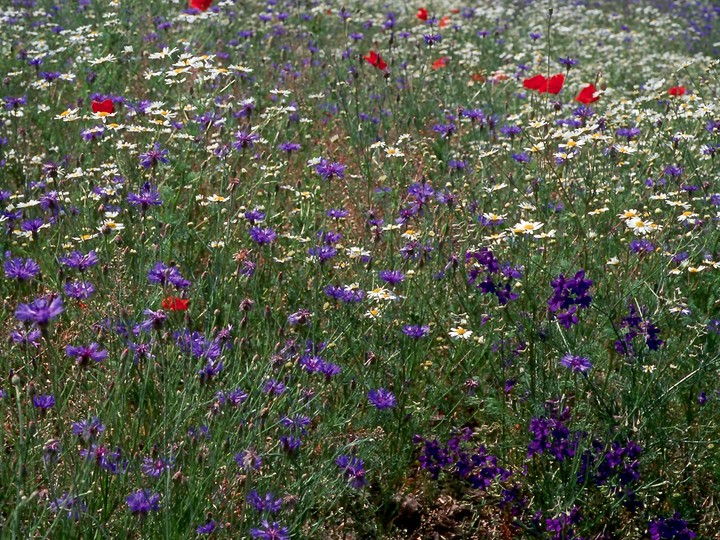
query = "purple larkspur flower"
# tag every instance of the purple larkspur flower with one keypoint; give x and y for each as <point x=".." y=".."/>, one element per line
<point x="673" y="528"/>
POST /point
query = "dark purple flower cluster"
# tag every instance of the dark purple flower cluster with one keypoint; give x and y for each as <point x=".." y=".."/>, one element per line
<point x="633" y="326"/>
<point x="569" y="296"/>
<point x="615" y="465"/>
<point x="561" y="526"/>
<point x="470" y="464"/>
<point x="552" y="436"/>
<point x="673" y="528"/>
<point x="483" y="264"/>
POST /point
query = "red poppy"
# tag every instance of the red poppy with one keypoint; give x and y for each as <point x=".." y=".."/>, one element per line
<point x="588" y="95"/>
<point x="677" y="91"/>
<point x="554" y="84"/>
<point x="535" y="83"/>
<point x="173" y="303"/>
<point x="106" y="106"/>
<point x="422" y="14"/>
<point x="376" y="60"/>
<point x="444" y="21"/>
<point x="440" y="62"/>
<point x="202" y="5"/>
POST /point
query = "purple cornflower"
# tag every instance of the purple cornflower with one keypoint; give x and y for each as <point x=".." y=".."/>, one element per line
<point x="268" y="531"/>
<point x="234" y="397"/>
<point x="431" y="39"/>
<point x="289" y="147"/>
<point x="329" y="170"/>
<point x="578" y="364"/>
<point x="290" y="443"/>
<point x="154" y="320"/>
<point x="26" y="336"/>
<point x="160" y="274"/>
<point x="415" y="331"/>
<point x="672" y="528"/>
<point x="254" y="215"/>
<point x="80" y="290"/>
<point x="143" y="501"/>
<point x="353" y="470"/>
<point x="243" y="140"/>
<point x="392" y="277"/>
<point x="155" y="467"/>
<point x="568" y="62"/>
<point x="84" y="353"/>
<point x="70" y="504"/>
<point x="20" y="269"/>
<point x="147" y="197"/>
<point x="444" y="130"/>
<point x="248" y="459"/>
<point x="262" y="236"/>
<point x="273" y="386"/>
<point x="41" y="311"/>
<point x="300" y="317"/>
<point x="510" y="131"/>
<point x="337" y="213"/>
<point x="522" y="157"/>
<point x="267" y="503"/>
<point x="323" y="253"/>
<point x="79" y="261"/>
<point x="210" y="370"/>
<point x="381" y="399"/>
<point x="206" y="528"/>
<point x="641" y="246"/>
<point x="43" y="401"/>
<point x="628" y="132"/>
<point x="89" y="429"/>
<point x="154" y="156"/>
